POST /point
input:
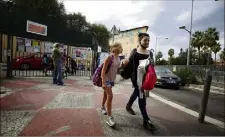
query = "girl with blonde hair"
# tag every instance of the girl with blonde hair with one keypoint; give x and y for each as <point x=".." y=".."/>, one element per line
<point x="109" y="78"/>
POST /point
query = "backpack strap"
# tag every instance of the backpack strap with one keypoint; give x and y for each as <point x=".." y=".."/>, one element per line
<point x="110" y="63"/>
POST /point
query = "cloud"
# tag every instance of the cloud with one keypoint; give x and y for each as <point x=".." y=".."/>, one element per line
<point x="184" y="16"/>
<point x="124" y="14"/>
<point x="201" y="9"/>
<point x="162" y="17"/>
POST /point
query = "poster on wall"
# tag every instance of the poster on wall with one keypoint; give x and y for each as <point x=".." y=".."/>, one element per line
<point x="27" y="42"/>
<point x="63" y="48"/>
<point x="36" y="46"/>
<point x="48" y="47"/>
<point x="30" y="49"/>
<point x="81" y="53"/>
<point x="37" y="49"/>
<point x="20" y="42"/>
<point x="102" y="56"/>
<point x="35" y="43"/>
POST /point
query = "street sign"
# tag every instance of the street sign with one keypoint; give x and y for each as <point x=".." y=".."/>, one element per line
<point x="36" y="28"/>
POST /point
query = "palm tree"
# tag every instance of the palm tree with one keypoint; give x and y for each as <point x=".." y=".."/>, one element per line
<point x="210" y="38"/>
<point x="197" y="41"/>
<point x="216" y="49"/>
<point x="159" y="55"/>
<point x="222" y="55"/>
<point x="171" y="52"/>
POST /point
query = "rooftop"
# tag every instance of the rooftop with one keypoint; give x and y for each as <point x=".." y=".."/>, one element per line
<point x="135" y="28"/>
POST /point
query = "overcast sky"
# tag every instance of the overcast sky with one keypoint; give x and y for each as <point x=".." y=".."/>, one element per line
<point x="162" y="17"/>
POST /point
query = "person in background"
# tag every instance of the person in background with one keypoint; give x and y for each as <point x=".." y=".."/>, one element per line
<point x="58" y="59"/>
<point x="45" y="64"/>
<point x="73" y="65"/>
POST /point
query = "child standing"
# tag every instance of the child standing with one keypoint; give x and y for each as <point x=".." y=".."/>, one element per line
<point x="109" y="78"/>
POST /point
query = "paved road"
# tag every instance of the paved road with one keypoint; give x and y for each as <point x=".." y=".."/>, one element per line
<point x="38" y="108"/>
<point x="192" y="99"/>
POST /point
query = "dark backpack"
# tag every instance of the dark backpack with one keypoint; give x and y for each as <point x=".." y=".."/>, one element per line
<point x="126" y="71"/>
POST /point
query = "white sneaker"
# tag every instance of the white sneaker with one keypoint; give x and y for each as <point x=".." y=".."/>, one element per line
<point x="103" y="110"/>
<point x="110" y="121"/>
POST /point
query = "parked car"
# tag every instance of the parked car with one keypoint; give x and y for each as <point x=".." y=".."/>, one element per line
<point x="167" y="78"/>
<point x="33" y="61"/>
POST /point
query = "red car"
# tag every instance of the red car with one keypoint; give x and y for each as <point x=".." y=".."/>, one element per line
<point x="33" y="61"/>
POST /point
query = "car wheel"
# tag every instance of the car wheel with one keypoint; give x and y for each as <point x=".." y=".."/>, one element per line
<point x="25" y="66"/>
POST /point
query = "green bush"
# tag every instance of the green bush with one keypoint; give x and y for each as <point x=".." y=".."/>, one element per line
<point x="187" y="76"/>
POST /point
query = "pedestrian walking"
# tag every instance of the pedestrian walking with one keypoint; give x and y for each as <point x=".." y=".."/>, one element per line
<point x="108" y="72"/>
<point x="58" y="59"/>
<point x="138" y="54"/>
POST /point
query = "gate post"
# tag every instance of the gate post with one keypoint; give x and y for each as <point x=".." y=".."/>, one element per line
<point x="9" y="56"/>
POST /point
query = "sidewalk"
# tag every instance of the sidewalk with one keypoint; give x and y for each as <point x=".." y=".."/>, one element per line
<point x="35" y="107"/>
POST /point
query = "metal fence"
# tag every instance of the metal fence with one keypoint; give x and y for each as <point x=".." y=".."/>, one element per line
<point x="30" y="64"/>
<point x="218" y="73"/>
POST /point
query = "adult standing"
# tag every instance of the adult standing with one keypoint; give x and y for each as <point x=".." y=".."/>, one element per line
<point x="140" y="53"/>
<point x="57" y="58"/>
<point x="73" y="65"/>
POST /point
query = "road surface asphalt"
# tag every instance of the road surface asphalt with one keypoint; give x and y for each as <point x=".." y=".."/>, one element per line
<point x="192" y="99"/>
<point x="35" y="107"/>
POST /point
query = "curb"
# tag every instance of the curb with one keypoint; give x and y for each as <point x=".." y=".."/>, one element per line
<point x="212" y="90"/>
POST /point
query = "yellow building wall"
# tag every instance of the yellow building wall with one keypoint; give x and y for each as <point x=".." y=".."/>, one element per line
<point x="128" y="39"/>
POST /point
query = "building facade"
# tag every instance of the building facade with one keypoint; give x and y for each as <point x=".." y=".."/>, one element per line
<point x="128" y="39"/>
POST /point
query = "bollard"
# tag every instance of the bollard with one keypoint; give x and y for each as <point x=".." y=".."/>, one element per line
<point x="205" y="98"/>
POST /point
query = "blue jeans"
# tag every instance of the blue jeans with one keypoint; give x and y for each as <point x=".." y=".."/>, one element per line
<point x="109" y="84"/>
<point x="57" y="74"/>
<point x="141" y="103"/>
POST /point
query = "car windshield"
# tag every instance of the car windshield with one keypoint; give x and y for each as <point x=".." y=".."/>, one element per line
<point x="162" y="70"/>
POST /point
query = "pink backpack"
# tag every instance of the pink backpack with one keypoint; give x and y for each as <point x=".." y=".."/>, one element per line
<point x="96" y="78"/>
<point x="149" y="79"/>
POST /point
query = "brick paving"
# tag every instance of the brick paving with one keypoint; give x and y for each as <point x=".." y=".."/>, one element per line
<point x="35" y="107"/>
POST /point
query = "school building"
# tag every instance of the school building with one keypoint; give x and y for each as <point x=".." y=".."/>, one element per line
<point x="129" y="39"/>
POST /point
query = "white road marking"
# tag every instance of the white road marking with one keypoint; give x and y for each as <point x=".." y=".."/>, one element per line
<point x="188" y="111"/>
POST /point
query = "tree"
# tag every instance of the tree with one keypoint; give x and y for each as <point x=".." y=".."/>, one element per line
<point x="50" y="8"/>
<point x="77" y="21"/>
<point x="222" y="55"/>
<point x="210" y="38"/>
<point x="216" y="49"/>
<point x="162" y="62"/>
<point x="159" y="55"/>
<point x="197" y="41"/>
<point x="171" y="52"/>
<point x="101" y="33"/>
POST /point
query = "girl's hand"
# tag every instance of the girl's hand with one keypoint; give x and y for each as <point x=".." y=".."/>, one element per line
<point x="125" y="62"/>
<point x="104" y="86"/>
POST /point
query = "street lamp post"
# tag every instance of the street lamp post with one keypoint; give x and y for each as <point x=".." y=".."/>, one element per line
<point x="190" y="32"/>
<point x="189" y="46"/>
<point x="156" y="44"/>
